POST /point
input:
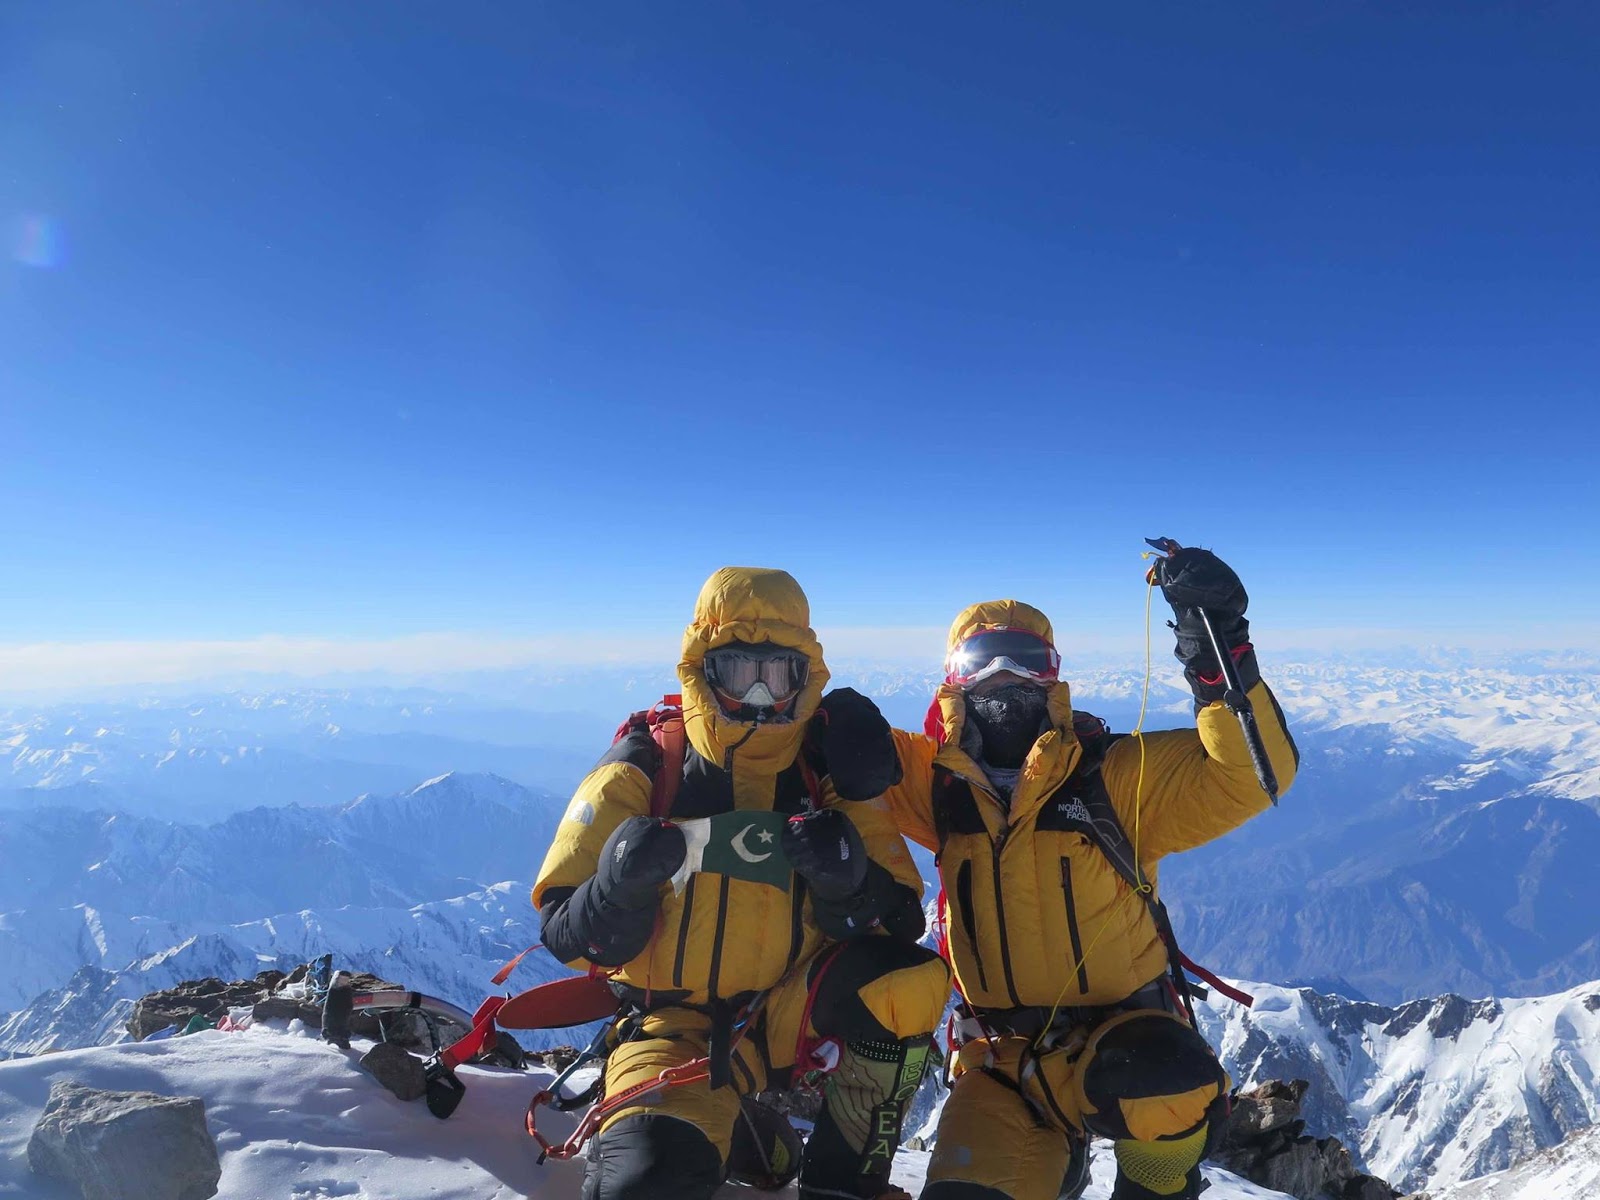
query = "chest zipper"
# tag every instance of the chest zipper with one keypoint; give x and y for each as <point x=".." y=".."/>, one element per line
<point x="1072" y="926"/>
<point x="685" y="916"/>
<point x="998" y="844"/>
<point x="969" y="918"/>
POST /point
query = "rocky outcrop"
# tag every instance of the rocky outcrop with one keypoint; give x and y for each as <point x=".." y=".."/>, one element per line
<point x="206" y="998"/>
<point x="1267" y="1143"/>
<point x="268" y="997"/>
<point x="1420" y="1095"/>
<point x="211" y="999"/>
<point x="125" y="1145"/>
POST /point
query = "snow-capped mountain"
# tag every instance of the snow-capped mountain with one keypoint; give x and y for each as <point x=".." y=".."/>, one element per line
<point x="1570" y="1170"/>
<point x="293" y="1116"/>
<point x="447" y="948"/>
<point x="1433" y="1092"/>
<point x="428" y="887"/>
<point x="203" y="756"/>
<point x="1439" y="837"/>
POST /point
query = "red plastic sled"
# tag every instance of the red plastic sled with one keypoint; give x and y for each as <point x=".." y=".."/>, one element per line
<point x="561" y="1002"/>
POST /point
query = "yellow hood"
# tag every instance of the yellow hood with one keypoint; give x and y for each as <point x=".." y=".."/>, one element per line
<point x="748" y="604"/>
<point x="1011" y="614"/>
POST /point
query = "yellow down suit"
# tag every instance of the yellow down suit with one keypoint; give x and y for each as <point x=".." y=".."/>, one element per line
<point x="708" y="950"/>
<point x="1045" y="935"/>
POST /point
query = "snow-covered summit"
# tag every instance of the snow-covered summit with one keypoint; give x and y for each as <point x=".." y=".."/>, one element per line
<point x="294" y="1117"/>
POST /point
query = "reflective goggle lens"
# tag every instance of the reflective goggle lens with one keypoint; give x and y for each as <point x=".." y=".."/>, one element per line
<point x="757" y="676"/>
<point x="990" y="651"/>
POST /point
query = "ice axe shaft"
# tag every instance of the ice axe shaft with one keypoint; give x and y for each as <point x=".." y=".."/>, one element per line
<point x="1233" y="695"/>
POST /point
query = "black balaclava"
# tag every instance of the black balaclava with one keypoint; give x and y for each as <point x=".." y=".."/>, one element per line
<point x="1009" y="718"/>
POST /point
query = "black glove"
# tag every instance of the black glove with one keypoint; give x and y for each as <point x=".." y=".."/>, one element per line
<point x="857" y="744"/>
<point x="1192" y="579"/>
<point x="825" y="848"/>
<point x="640" y="855"/>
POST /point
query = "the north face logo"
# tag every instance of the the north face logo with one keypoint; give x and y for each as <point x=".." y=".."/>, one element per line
<point x="1074" y="810"/>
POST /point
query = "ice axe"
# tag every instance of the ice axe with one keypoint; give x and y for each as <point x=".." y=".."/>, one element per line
<point x="1233" y="691"/>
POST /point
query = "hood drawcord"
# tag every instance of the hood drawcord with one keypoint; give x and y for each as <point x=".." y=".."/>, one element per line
<point x="727" y="759"/>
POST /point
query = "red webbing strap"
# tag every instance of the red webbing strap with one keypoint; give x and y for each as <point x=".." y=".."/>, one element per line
<point x="805" y="1044"/>
<point x="504" y="973"/>
<point x="813" y="785"/>
<point x="665" y="722"/>
<point x="479" y="1039"/>
<point x="690" y="1072"/>
<point x="1228" y="990"/>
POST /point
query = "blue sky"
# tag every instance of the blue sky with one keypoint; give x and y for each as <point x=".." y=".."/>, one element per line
<point x="350" y="321"/>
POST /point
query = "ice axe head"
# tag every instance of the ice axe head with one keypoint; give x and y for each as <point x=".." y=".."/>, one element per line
<point x="1168" y="548"/>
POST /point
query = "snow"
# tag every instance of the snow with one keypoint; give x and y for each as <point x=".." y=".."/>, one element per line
<point x="1571" y="1171"/>
<point x="1430" y="1094"/>
<point x="296" y="1118"/>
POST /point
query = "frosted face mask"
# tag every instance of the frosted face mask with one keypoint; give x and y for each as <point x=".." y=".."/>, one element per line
<point x="1009" y="718"/>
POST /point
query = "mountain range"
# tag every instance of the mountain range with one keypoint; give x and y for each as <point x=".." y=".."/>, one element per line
<point x="1430" y="1093"/>
<point x="1439" y="839"/>
<point x="427" y="887"/>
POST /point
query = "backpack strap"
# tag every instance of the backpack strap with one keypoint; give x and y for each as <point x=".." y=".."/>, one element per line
<point x="1097" y="819"/>
<point x="665" y="722"/>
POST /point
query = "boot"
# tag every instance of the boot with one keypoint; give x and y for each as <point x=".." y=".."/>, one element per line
<point x="864" y="1102"/>
<point x="1127" y="1189"/>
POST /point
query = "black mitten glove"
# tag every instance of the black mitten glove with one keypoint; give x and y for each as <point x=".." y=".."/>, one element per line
<point x="609" y="918"/>
<point x="826" y="848"/>
<point x="850" y="894"/>
<point x="1192" y="579"/>
<point x="857" y="744"/>
<point x="640" y="855"/>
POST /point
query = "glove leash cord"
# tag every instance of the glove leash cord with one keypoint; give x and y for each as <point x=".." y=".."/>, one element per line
<point x="1144" y="705"/>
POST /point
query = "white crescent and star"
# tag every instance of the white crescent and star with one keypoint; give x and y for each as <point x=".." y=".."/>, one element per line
<point x="743" y="851"/>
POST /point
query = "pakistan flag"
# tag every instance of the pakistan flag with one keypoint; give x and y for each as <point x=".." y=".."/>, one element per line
<point x="743" y="845"/>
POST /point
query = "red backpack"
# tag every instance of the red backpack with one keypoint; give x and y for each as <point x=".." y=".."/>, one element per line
<point x="663" y="721"/>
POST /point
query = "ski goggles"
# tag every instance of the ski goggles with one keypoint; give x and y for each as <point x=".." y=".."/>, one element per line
<point x="996" y="649"/>
<point x="761" y="676"/>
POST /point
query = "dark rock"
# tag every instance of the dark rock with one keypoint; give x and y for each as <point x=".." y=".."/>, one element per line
<point x="208" y="998"/>
<point x="1253" y="1116"/>
<point x="507" y="1052"/>
<point x="279" y="1008"/>
<point x="125" y="1145"/>
<point x="1309" y="1169"/>
<point x="1453" y="1013"/>
<point x="1265" y="1141"/>
<point x="1367" y="1187"/>
<point x="398" y="1071"/>
<point x="1277" y="1089"/>
<point x="1407" y="1017"/>
<point x="556" y="1058"/>
<point x="1591" y="1003"/>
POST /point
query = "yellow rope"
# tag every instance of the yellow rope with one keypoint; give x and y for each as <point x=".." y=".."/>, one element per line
<point x="1138" y="803"/>
<point x="1138" y="729"/>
